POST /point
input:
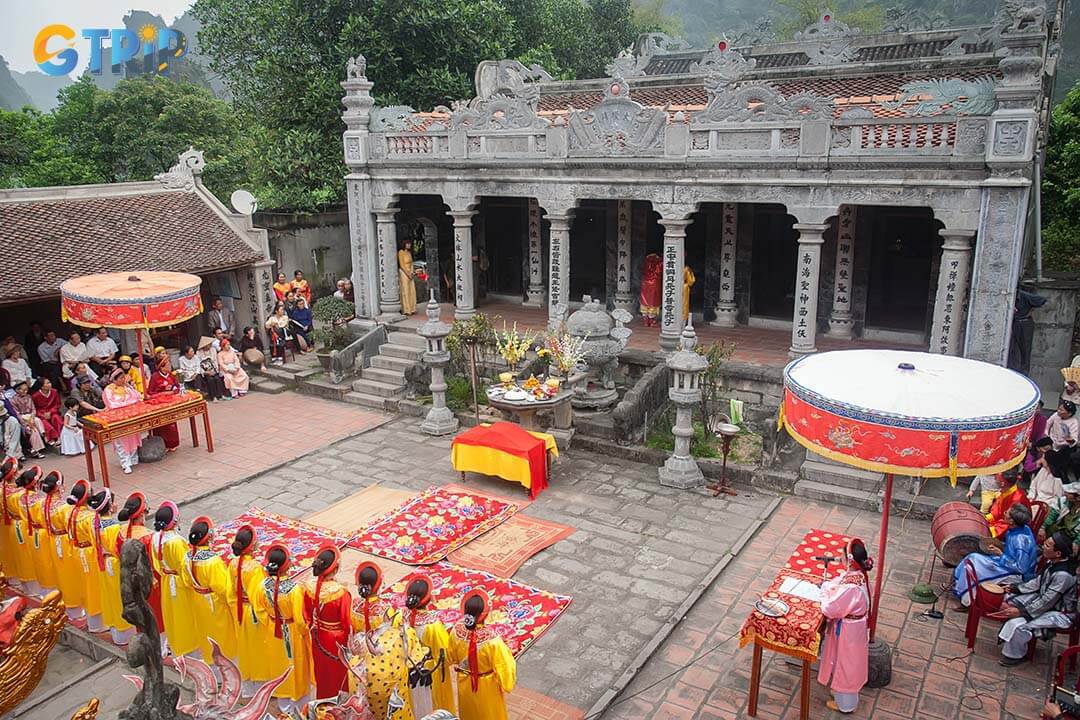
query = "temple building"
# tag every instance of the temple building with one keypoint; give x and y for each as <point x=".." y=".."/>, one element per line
<point x="861" y="187"/>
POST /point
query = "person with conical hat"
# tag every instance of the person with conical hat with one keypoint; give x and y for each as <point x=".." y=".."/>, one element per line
<point x="208" y="577"/>
<point x="34" y="506"/>
<point x="246" y="575"/>
<point x="845" y="603"/>
<point x="57" y="512"/>
<point x="130" y="525"/>
<point x="279" y="605"/>
<point x="80" y="532"/>
<point x="168" y="550"/>
<point x="486" y="670"/>
<point x="101" y="503"/>
<point x="328" y="616"/>
<point x="384" y="646"/>
<point x="430" y="681"/>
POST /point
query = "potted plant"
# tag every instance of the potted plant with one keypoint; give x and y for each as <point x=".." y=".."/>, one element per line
<point x="331" y="331"/>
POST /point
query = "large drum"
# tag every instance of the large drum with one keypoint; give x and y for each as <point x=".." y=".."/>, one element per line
<point x="956" y="531"/>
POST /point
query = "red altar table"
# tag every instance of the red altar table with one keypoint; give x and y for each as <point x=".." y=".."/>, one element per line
<point x="507" y="451"/>
<point x="798" y="633"/>
<point x="105" y="426"/>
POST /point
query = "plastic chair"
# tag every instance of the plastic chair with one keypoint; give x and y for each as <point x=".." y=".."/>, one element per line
<point x="1070" y="653"/>
<point x="1039" y="511"/>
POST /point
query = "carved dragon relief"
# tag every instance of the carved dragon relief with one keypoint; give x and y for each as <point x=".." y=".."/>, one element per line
<point x="182" y="175"/>
<point x="1014" y="16"/>
<point x="829" y="41"/>
<point x="508" y="97"/>
<point x="632" y="61"/>
<point x="22" y="663"/>
<point x="963" y="97"/>
<point x="618" y="125"/>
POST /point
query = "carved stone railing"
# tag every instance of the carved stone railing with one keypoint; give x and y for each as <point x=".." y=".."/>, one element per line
<point x="927" y="139"/>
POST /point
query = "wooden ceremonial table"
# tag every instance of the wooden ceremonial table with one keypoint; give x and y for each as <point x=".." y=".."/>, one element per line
<point x="798" y="632"/>
<point x="105" y="426"/>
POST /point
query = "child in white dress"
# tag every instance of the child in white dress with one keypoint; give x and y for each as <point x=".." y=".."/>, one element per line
<point x="71" y="436"/>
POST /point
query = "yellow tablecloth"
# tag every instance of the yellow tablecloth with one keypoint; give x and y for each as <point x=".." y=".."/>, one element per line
<point x="488" y="461"/>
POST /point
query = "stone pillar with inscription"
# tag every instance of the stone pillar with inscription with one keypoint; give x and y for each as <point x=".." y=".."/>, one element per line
<point x="807" y="272"/>
<point x="947" y="331"/>
<point x="357" y="117"/>
<point x="672" y="319"/>
<point x="463" y="264"/>
<point x="841" y="324"/>
<point x="389" y="285"/>
<point x="535" y="293"/>
<point x="624" y="298"/>
<point x="726" y="309"/>
<point x="558" y="269"/>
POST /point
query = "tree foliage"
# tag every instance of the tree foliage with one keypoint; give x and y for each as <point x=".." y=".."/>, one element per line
<point x="1061" y="186"/>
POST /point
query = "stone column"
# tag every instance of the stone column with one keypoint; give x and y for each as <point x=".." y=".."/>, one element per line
<point x="357" y="116"/>
<point x="681" y="469"/>
<point x="558" y="269"/>
<point x="671" y="296"/>
<point x="439" y="420"/>
<point x="389" y="285"/>
<point x="463" y="264"/>
<point x="624" y="298"/>
<point x="841" y="325"/>
<point x="726" y="309"/>
<point x="807" y="272"/>
<point x="953" y="275"/>
<point x="535" y="294"/>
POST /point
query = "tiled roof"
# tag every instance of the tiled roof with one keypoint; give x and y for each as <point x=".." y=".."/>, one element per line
<point x="862" y="90"/>
<point x="45" y="242"/>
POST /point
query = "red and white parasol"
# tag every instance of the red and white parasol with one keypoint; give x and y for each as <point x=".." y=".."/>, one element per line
<point x="911" y="413"/>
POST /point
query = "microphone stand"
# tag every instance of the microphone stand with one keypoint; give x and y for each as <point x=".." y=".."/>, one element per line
<point x="933" y="612"/>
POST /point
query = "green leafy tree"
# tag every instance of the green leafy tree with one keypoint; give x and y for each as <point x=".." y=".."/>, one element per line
<point x="1061" y="186"/>
<point x="32" y="156"/>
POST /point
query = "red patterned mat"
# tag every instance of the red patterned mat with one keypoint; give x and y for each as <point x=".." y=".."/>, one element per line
<point x="427" y="528"/>
<point x="302" y="540"/>
<point x="519" y="613"/>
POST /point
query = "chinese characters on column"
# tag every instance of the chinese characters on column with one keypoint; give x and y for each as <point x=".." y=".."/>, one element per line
<point x="622" y="276"/>
<point x="671" y="280"/>
<point x="459" y="263"/>
<point x="948" y="308"/>
<point x="555" y="266"/>
<point x="536" y="268"/>
<point x="727" y="253"/>
<point x="845" y="241"/>
<point x="802" y="299"/>
<point x="384" y="253"/>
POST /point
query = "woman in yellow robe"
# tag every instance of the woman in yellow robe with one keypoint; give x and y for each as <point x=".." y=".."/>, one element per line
<point x="209" y="579"/>
<point x="279" y="606"/>
<point x="18" y="505"/>
<point x="245" y="578"/>
<point x="129" y="526"/>
<point x="486" y="670"/>
<point x="80" y="528"/>
<point x="9" y="540"/>
<point x="405" y="279"/>
<point x="68" y="568"/>
<point x="688" y="282"/>
<point x="434" y="640"/>
<point x="168" y="553"/>
<point x="41" y="555"/>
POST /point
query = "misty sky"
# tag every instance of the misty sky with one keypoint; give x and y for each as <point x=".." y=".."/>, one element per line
<point x="20" y="21"/>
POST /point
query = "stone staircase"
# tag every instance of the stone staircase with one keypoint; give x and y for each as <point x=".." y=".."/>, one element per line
<point x="278" y="378"/>
<point x="827" y="481"/>
<point x="385" y="380"/>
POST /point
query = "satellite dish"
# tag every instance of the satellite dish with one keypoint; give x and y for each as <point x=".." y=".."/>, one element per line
<point x="243" y="202"/>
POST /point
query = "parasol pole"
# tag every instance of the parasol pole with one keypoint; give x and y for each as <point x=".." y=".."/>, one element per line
<point x="883" y="539"/>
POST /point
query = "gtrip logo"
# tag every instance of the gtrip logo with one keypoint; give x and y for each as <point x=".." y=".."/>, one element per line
<point x="158" y="47"/>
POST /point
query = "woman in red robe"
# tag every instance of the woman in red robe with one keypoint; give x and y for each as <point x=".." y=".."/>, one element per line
<point x="998" y="517"/>
<point x="328" y="613"/>
<point x="651" y="285"/>
<point x="161" y="383"/>
<point x="47" y="408"/>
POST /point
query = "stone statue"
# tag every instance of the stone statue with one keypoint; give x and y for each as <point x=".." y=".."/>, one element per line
<point x="156" y="699"/>
<point x="356" y="68"/>
<point x="182" y="175"/>
<point x="605" y="337"/>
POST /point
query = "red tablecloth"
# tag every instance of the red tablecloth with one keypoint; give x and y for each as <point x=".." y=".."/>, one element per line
<point x="153" y="404"/>
<point x="796" y="634"/>
<point x="514" y="440"/>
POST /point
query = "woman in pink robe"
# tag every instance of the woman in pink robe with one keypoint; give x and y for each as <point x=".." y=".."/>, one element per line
<point x="47" y="407"/>
<point x="120" y="393"/>
<point x="845" y="603"/>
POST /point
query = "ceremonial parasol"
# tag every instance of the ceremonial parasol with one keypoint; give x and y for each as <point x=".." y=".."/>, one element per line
<point x="911" y="413"/>
<point x="131" y="300"/>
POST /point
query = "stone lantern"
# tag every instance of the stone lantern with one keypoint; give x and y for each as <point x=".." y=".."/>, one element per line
<point x="440" y="420"/>
<point x="681" y="470"/>
<point x="605" y="335"/>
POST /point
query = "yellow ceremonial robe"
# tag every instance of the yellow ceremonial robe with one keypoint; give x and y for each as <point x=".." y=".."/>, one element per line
<point x="91" y="574"/>
<point x="388" y="669"/>
<point x="112" y="605"/>
<point x="435" y="637"/>
<point x="209" y="580"/>
<point x="39" y="545"/>
<point x="250" y="636"/>
<point x="293" y="648"/>
<point x="136" y="378"/>
<point x="406" y="282"/>
<point x="168" y="553"/>
<point x="65" y="559"/>
<point x="498" y="674"/>
<point x="688" y="282"/>
<point x="9" y="542"/>
<point x="22" y="561"/>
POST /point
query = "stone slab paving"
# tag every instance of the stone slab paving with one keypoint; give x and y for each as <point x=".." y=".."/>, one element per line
<point x="701" y="673"/>
<point x="251" y="434"/>
<point x="638" y="550"/>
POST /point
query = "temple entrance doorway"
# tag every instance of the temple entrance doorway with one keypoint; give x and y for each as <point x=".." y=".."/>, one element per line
<point x="588" y="251"/>
<point x="774" y="254"/>
<point x="902" y="247"/>
<point x="505" y="240"/>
